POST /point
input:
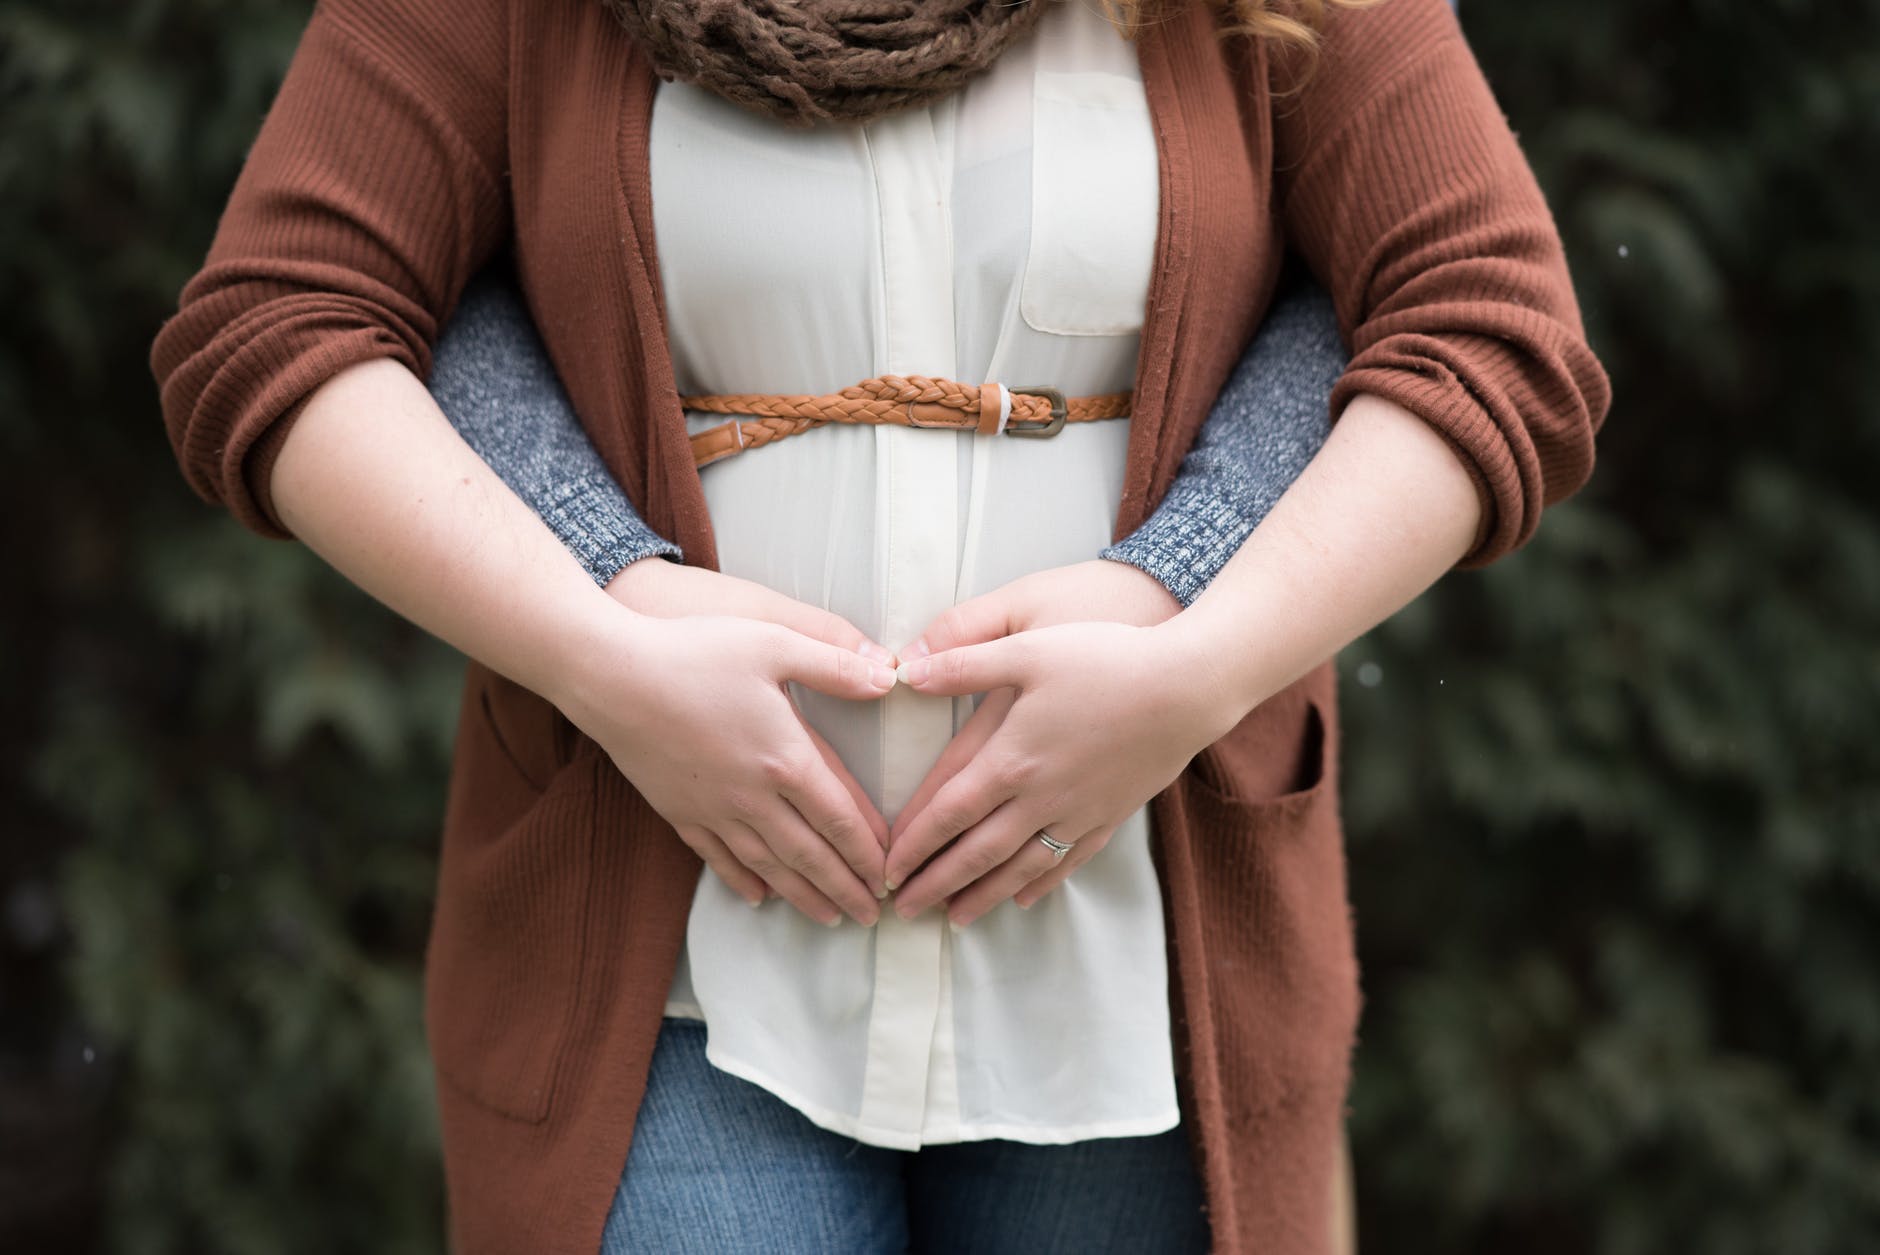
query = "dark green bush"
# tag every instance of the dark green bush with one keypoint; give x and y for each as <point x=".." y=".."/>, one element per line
<point x="1614" y="804"/>
<point x="224" y="765"/>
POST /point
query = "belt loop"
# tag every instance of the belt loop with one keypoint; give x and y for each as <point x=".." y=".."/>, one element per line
<point x="991" y="419"/>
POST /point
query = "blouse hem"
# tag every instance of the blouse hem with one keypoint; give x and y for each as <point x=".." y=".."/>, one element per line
<point x="980" y="1131"/>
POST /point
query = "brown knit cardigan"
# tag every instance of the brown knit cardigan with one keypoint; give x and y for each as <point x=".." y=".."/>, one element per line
<point x="412" y="138"/>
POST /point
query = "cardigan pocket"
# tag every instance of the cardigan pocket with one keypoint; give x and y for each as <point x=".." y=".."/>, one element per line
<point x="1280" y="755"/>
<point x="536" y="738"/>
<point x="506" y="957"/>
<point x="1269" y="869"/>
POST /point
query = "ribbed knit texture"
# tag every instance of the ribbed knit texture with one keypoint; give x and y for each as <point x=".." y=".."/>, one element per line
<point x="494" y="382"/>
<point x="411" y="136"/>
<point x="492" y="378"/>
<point x="1269" y="421"/>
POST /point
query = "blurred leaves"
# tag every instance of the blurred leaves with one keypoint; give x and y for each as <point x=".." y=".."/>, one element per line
<point x="232" y="762"/>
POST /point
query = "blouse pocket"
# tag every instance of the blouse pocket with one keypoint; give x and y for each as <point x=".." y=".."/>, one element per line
<point x="1094" y="201"/>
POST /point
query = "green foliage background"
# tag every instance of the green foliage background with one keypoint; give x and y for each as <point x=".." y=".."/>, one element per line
<point x="1614" y="806"/>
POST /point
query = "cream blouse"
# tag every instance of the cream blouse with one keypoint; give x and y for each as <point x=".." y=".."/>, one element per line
<point x="1004" y="233"/>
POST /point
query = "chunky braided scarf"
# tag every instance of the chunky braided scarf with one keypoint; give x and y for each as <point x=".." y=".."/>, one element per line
<point x="809" y="61"/>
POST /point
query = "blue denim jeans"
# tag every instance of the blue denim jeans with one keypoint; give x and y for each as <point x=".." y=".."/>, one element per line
<point x="721" y="1165"/>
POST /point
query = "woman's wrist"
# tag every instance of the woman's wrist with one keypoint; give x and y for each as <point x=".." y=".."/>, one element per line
<point x="589" y="656"/>
<point x="1219" y="661"/>
<point x="639" y="584"/>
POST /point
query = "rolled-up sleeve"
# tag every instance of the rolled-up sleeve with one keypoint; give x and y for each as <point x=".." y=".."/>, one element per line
<point x="373" y="191"/>
<point x="1399" y="180"/>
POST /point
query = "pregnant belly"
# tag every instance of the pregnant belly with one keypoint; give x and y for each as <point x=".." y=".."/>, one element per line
<point x="888" y="527"/>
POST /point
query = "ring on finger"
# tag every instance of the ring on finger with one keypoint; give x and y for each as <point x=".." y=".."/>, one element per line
<point x="1058" y="848"/>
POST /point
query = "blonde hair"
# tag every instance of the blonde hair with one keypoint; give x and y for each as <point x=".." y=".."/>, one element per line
<point x="1290" y="22"/>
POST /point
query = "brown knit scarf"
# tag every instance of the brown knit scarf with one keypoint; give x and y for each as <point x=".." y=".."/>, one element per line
<point x="808" y="61"/>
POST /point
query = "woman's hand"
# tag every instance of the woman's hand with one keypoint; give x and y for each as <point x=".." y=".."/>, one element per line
<point x="1105" y="716"/>
<point x="669" y="590"/>
<point x="1084" y="722"/>
<point x="694" y="712"/>
<point x="1094" y="591"/>
<point x="1098" y="591"/>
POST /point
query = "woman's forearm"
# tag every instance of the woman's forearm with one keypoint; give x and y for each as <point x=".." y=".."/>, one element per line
<point x="1377" y="517"/>
<point x="492" y="377"/>
<point x="375" y="481"/>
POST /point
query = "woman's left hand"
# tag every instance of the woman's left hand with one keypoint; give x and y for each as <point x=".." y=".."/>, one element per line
<point x="1085" y="722"/>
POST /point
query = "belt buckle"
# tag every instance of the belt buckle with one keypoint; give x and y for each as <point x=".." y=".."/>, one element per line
<point x="1040" y="430"/>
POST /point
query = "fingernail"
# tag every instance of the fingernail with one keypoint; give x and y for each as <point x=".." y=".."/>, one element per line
<point x="1022" y="904"/>
<point x="891" y="887"/>
<point x="873" y="652"/>
<point x="834" y="921"/>
<point x="957" y="925"/>
<point x="915" y="672"/>
<point x="881" y="894"/>
<point x="883" y="677"/>
<point x="917" y="650"/>
<point x="755" y="902"/>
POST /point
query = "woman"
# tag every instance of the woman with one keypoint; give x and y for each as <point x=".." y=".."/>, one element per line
<point x="410" y="140"/>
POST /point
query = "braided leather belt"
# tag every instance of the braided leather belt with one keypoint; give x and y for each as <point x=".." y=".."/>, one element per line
<point x="904" y="400"/>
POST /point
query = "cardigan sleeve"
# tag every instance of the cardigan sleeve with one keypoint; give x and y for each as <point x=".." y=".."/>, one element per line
<point x="1400" y="182"/>
<point x="374" y="189"/>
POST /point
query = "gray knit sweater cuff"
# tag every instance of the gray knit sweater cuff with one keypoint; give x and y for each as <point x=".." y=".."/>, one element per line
<point x="1269" y="421"/>
<point x="492" y="377"/>
<point x="592" y="517"/>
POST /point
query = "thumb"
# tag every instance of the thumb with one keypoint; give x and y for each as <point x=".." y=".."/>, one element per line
<point x="815" y="623"/>
<point x="829" y="668"/>
<point x="986" y="617"/>
<point x="1003" y="663"/>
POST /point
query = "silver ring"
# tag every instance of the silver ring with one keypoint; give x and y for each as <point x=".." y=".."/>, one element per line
<point x="1058" y="848"/>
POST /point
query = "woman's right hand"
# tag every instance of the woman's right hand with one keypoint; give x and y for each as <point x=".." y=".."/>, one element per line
<point x="688" y="699"/>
